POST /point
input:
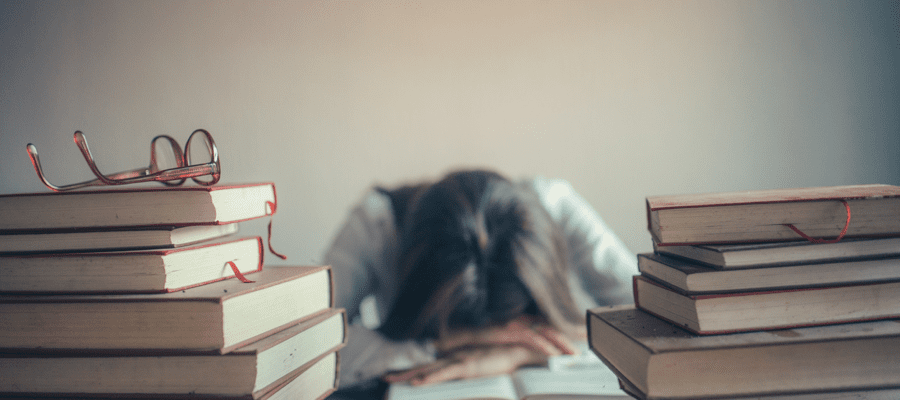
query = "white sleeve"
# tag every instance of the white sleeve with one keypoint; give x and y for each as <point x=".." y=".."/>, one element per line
<point x="602" y="266"/>
<point x="362" y="261"/>
<point x="358" y="256"/>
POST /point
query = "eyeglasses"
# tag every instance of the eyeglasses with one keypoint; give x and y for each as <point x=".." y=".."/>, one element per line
<point x="174" y="176"/>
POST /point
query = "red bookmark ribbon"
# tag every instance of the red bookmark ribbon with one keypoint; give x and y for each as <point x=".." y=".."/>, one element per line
<point x="823" y="241"/>
<point x="269" y="239"/>
<point x="237" y="272"/>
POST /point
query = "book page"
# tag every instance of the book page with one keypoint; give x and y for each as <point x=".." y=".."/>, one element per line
<point x="581" y="374"/>
<point x="495" y="387"/>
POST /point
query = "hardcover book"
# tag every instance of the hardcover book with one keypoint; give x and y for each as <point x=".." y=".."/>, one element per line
<point x="219" y="316"/>
<point x="143" y="207"/>
<point x="692" y="278"/>
<point x="764" y="215"/>
<point x="775" y="309"/>
<point x="250" y="371"/>
<point x="130" y="271"/>
<point x="163" y="237"/>
<point x="753" y="255"/>
<point x="862" y="394"/>
<point x="663" y="361"/>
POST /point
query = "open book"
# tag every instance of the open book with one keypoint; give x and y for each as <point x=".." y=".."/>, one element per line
<point x="581" y="377"/>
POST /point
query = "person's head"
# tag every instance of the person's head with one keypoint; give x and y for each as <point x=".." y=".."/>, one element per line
<point x="475" y="250"/>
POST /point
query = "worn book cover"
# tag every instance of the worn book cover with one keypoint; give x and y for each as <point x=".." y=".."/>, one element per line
<point x="141" y="207"/>
<point x="219" y="316"/>
<point x="767" y="215"/>
<point x="664" y="361"/>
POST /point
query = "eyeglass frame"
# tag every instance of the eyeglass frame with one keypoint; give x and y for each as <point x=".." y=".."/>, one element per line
<point x="171" y="177"/>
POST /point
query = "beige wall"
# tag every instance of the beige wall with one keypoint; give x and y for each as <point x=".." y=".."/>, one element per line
<point x="623" y="98"/>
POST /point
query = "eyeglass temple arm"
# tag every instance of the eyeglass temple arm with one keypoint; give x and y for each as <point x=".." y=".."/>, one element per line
<point x="81" y="142"/>
<point x="36" y="162"/>
<point x="85" y="151"/>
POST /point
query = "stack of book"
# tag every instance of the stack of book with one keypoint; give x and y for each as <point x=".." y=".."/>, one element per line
<point x="732" y="305"/>
<point x="146" y="293"/>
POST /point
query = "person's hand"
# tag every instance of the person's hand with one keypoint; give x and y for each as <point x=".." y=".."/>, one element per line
<point x="527" y="331"/>
<point x="469" y="363"/>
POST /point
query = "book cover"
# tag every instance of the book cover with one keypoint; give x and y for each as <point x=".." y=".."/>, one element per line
<point x="764" y="215"/>
<point x="693" y="278"/>
<point x="766" y="254"/>
<point x="314" y="381"/>
<point x="140" y="207"/>
<point x="162" y="237"/>
<point x="892" y="393"/>
<point x="708" y="314"/>
<point x="144" y="271"/>
<point x="664" y="361"/>
<point x="219" y="316"/>
<point x="253" y="370"/>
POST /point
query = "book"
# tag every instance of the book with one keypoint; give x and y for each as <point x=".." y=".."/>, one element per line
<point x="767" y="310"/>
<point x="864" y="394"/>
<point x="573" y="377"/>
<point x="165" y="237"/>
<point x="315" y="382"/>
<point x="751" y="255"/>
<point x="693" y="278"/>
<point x="142" y="207"/>
<point x="130" y="271"/>
<point x="249" y="371"/>
<point x="219" y="316"/>
<point x="664" y="361"/>
<point x="763" y="215"/>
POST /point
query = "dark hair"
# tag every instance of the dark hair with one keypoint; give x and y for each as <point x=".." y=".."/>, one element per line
<point x="475" y="249"/>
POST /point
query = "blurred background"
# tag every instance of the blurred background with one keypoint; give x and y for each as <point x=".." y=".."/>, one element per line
<point x="625" y="99"/>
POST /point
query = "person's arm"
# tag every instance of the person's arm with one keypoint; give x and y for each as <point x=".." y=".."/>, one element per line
<point x="602" y="265"/>
<point x="362" y="261"/>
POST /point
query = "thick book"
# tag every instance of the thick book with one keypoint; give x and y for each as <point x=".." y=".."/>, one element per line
<point x="753" y="255"/>
<point x="163" y="237"/>
<point x="693" y="278"/>
<point x="768" y="310"/>
<point x="250" y="371"/>
<point x="314" y="381"/>
<point x="764" y="215"/>
<point x="145" y="271"/>
<point x="219" y="316"/>
<point x="143" y="207"/>
<point x="578" y="377"/>
<point x="864" y="394"/>
<point x="666" y="362"/>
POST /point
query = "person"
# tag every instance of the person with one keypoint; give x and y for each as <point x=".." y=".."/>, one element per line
<point x="470" y="275"/>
